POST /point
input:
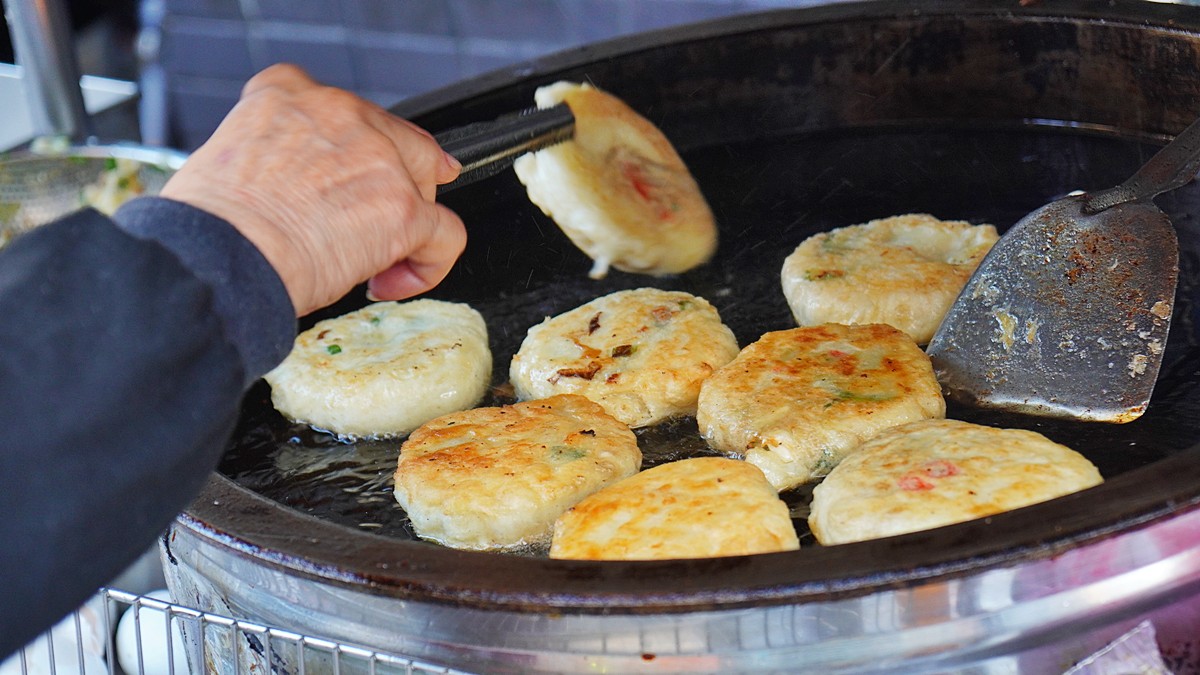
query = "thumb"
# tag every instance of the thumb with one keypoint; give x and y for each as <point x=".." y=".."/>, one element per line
<point x="426" y="265"/>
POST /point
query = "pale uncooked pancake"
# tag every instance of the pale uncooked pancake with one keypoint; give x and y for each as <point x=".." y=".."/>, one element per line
<point x="938" y="472"/>
<point x="642" y="354"/>
<point x="693" y="508"/>
<point x="497" y="478"/>
<point x="797" y="401"/>
<point x="385" y="369"/>
<point x="618" y="189"/>
<point x="904" y="271"/>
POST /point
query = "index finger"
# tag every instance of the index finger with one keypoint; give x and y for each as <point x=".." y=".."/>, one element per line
<point x="283" y="75"/>
<point x="426" y="265"/>
<point x="425" y="160"/>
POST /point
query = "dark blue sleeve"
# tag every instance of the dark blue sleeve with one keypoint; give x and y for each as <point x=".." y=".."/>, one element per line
<point x="124" y="353"/>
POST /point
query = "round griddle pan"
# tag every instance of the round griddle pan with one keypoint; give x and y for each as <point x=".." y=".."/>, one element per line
<point x="794" y="122"/>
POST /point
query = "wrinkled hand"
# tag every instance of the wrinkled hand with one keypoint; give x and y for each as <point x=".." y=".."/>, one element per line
<point x="331" y="188"/>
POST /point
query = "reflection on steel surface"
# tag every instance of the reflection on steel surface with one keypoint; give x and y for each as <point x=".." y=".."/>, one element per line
<point x="212" y="644"/>
<point x="1034" y="616"/>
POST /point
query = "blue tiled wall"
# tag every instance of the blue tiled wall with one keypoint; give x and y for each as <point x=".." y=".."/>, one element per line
<point x="385" y="50"/>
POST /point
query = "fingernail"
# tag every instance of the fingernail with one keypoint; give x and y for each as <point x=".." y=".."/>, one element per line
<point x="452" y="161"/>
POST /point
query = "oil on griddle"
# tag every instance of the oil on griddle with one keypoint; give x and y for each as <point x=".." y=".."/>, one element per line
<point x="768" y="196"/>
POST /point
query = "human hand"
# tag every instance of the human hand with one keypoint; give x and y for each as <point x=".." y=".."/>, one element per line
<point x="331" y="188"/>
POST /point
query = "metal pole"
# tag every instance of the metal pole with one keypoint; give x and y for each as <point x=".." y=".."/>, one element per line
<point x="41" y="35"/>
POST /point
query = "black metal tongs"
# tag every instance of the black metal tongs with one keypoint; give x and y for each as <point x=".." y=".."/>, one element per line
<point x="487" y="148"/>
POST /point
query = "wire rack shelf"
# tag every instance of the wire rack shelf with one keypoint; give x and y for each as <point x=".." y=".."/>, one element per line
<point x="121" y="633"/>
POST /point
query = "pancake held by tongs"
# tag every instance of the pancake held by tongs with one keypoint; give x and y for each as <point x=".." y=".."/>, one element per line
<point x="618" y="189"/>
<point x="607" y="176"/>
<point x="1068" y="314"/>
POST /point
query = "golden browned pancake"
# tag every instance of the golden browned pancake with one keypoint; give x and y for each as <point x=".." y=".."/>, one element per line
<point x="618" y="189"/>
<point x="904" y="271"/>
<point x="495" y="478"/>
<point x="797" y="401"/>
<point x="641" y="354"/>
<point x="385" y="369"/>
<point x="937" y="472"/>
<point x="693" y="508"/>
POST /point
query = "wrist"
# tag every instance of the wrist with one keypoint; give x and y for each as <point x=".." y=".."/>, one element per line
<point x="248" y="293"/>
<point x="253" y="220"/>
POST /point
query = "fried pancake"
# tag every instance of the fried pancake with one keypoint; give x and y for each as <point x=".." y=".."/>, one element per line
<point x="640" y="353"/>
<point x="497" y="478"/>
<point x="797" y="401"/>
<point x="693" y="508"/>
<point x="904" y="271"/>
<point x="385" y="369"/>
<point x="938" y="472"/>
<point x="618" y="189"/>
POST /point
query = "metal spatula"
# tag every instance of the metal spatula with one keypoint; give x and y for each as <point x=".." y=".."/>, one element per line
<point x="1068" y="314"/>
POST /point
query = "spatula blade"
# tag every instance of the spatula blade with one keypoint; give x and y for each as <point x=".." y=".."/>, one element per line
<point x="1067" y="316"/>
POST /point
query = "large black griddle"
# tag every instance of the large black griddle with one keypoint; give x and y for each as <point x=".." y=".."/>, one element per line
<point x="793" y="122"/>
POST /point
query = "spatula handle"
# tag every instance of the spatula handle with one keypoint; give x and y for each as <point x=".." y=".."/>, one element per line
<point x="1170" y="168"/>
